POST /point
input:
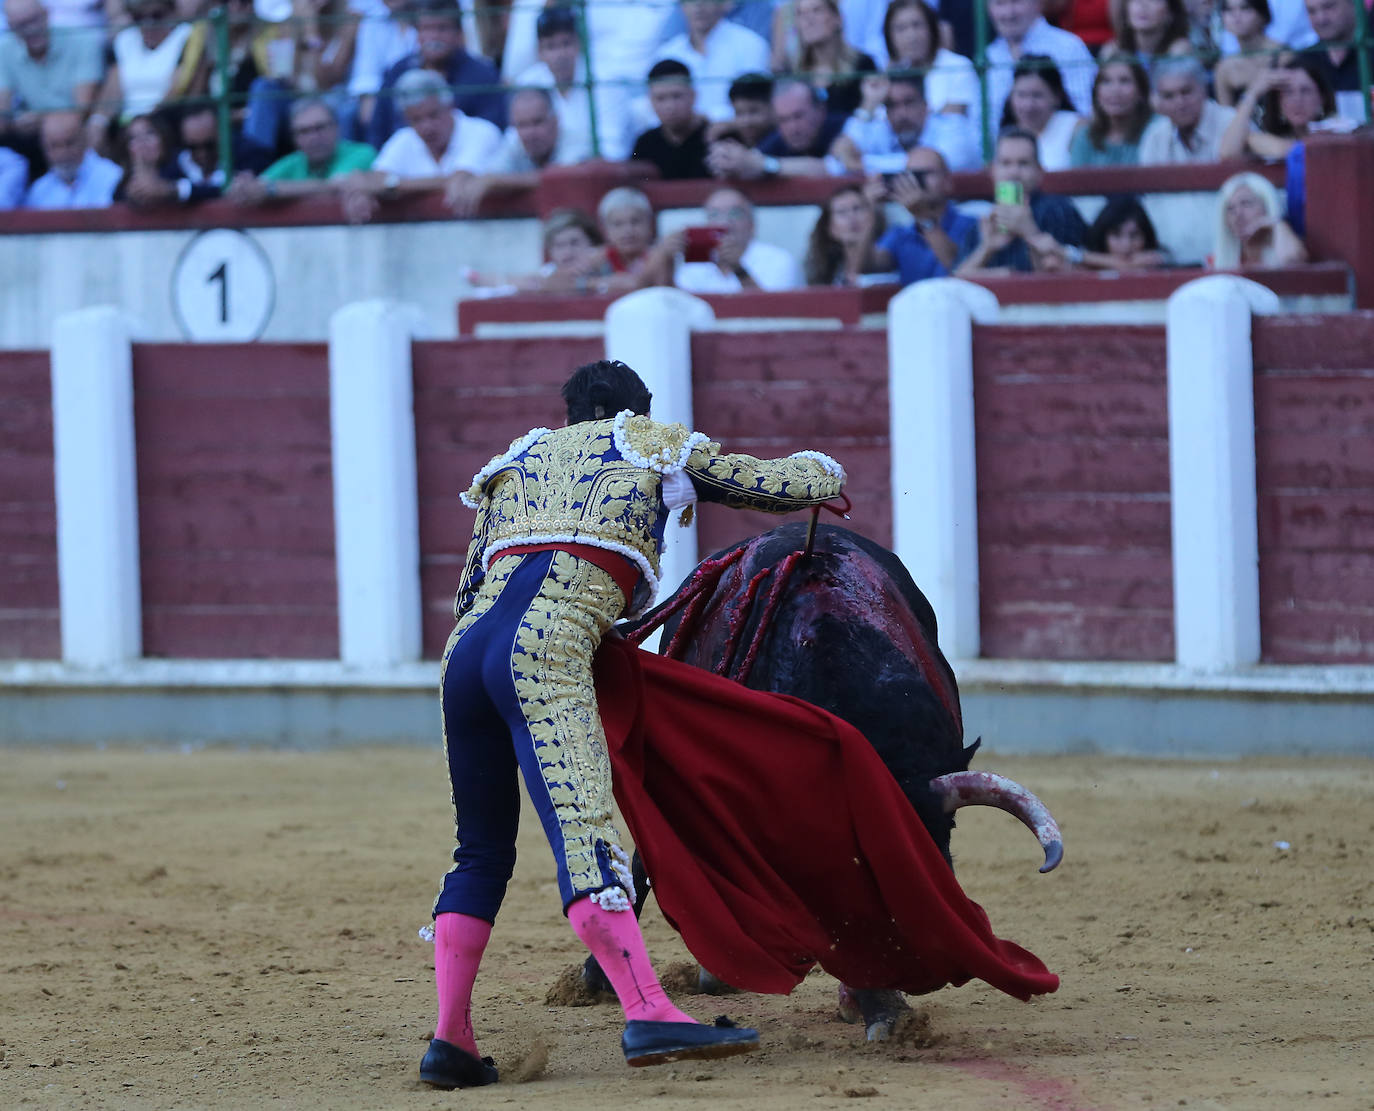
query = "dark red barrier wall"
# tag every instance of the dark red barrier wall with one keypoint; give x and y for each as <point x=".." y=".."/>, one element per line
<point x="1314" y="442"/>
<point x="1073" y="492"/>
<point x="769" y="394"/>
<point x="236" y="512"/>
<point x="472" y="398"/>
<point x="30" y="627"/>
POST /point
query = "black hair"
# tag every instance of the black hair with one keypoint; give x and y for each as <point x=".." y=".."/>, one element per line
<point x="602" y="389"/>
<point x="912" y="78"/>
<point x="555" y="20"/>
<point x="1043" y="67"/>
<point x="669" y="67"/>
<point x="1116" y="212"/>
<point x="752" y="86"/>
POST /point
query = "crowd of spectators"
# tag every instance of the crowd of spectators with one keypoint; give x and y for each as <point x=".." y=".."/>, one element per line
<point x="168" y="102"/>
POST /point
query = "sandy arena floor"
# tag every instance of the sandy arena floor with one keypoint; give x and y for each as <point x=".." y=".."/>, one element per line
<point x="218" y="929"/>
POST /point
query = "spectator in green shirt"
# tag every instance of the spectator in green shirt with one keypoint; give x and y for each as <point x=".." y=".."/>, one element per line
<point x="318" y="166"/>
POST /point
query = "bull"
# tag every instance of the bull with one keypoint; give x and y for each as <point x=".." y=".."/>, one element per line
<point x="830" y="617"/>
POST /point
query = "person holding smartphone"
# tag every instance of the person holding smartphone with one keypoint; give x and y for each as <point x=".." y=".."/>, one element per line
<point x="1026" y="230"/>
<point x="929" y="247"/>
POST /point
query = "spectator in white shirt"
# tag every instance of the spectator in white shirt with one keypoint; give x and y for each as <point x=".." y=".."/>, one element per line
<point x="438" y="143"/>
<point x="562" y="69"/>
<point x="531" y="144"/>
<point x="716" y="52"/>
<point x="893" y="119"/>
<point x="1039" y="103"/>
<point x="1190" y="125"/>
<point x="77" y="177"/>
<point x="740" y="261"/>
<point x="1022" y="29"/>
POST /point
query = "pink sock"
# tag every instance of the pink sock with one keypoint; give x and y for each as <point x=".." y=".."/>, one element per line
<point x="615" y="941"/>
<point x="459" y="940"/>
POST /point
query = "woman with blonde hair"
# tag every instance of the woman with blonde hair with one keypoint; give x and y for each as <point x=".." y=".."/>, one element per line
<point x="825" y="58"/>
<point x="1251" y="230"/>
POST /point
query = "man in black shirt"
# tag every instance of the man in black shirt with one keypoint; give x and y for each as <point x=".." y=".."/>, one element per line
<point x="677" y="146"/>
<point x="1335" y="25"/>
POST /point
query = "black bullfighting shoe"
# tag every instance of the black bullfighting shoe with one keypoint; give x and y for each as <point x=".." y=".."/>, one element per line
<point x="446" y="1066"/>
<point x="655" y="1043"/>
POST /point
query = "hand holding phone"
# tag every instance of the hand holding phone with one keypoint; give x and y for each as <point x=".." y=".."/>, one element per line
<point x="701" y="243"/>
<point x="1009" y="193"/>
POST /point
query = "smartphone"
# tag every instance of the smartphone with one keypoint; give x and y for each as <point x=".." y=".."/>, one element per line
<point x="919" y="175"/>
<point x="702" y="243"/>
<point x="1009" y="192"/>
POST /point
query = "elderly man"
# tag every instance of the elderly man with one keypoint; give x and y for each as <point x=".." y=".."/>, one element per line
<point x="318" y="164"/>
<point x="804" y="135"/>
<point x="1040" y="232"/>
<point x="42" y="72"/>
<point x="1023" y="29"/>
<point x="716" y="51"/>
<point x="893" y="121"/>
<point x="739" y="260"/>
<point x="1190" y="124"/>
<point x="930" y="246"/>
<point x="441" y="50"/>
<point x="77" y="177"/>
<point x="1334" y="24"/>
<point x="532" y="143"/>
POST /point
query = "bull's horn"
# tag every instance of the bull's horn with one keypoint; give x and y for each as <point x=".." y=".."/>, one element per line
<point x="988" y="789"/>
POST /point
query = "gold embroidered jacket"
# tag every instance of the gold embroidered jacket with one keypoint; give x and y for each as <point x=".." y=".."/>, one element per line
<point x="612" y="483"/>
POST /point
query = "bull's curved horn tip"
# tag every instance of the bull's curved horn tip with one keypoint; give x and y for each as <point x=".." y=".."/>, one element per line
<point x="1054" y="853"/>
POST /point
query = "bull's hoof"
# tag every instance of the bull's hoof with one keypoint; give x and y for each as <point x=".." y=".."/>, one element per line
<point x="707" y="984"/>
<point x="881" y="1011"/>
<point x="593" y="979"/>
<point x="848" y="1005"/>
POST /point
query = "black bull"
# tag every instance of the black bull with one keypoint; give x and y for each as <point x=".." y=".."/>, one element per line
<point x="844" y="627"/>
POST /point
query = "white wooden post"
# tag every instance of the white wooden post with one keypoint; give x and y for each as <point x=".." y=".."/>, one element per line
<point x="376" y="514"/>
<point x="96" y="486"/>
<point x="934" y="480"/>
<point x="1212" y="471"/>
<point x="651" y="331"/>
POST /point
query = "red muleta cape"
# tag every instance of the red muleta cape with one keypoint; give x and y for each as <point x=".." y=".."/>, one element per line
<point x="776" y="839"/>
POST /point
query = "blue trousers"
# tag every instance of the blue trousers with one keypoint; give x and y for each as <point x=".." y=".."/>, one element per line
<point x="518" y="694"/>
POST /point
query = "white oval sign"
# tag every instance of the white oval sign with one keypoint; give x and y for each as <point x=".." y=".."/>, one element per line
<point x="222" y="287"/>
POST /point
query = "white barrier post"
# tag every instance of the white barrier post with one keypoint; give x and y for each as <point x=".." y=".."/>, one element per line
<point x="651" y="331"/>
<point x="934" y="480"/>
<point x="376" y="513"/>
<point x="96" y="487"/>
<point x="1212" y="471"/>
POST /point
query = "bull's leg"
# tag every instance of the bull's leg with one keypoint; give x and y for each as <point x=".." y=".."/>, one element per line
<point x="878" y="1010"/>
<point x="593" y="978"/>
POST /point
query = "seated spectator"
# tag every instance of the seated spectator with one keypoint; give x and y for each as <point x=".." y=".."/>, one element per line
<point x="43" y="72"/>
<point x="677" y="146"/>
<point x="531" y="144"/>
<point x="1122" y="238"/>
<point x="1121" y="110"/>
<point x="911" y="30"/>
<point x="326" y="45"/>
<point x="1148" y="29"/>
<point x="441" y="50"/>
<point x="1022" y="30"/>
<point x="894" y="119"/>
<point x="715" y="52"/>
<point x="1247" y="20"/>
<point x="1338" y="61"/>
<point x="77" y="177"/>
<point x="572" y="259"/>
<point x="1251" y="230"/>
<point x="1189" y="126"/>
<point x="562" y="70"/>
<point x="751" y="101"/>
<point x="635" y="259"/>
<point x="842" y="248"/>
<point x="320" y="160"/>
<point x="145" y="154"/>
<point x="739" y="261"/>
<point x="931" y="245"/>
<point x="155" y="64"/>
<point x="1294" y="101"/>
<point x="803" y="137"/>
<point x="439" y="139"/>
<point x="197" y="173"/>
<point x="385" y="38"/>
<point x="1041" y="232"/>
<point x="14" y="178"/>
<point x="826" y="59"/>
<point x="1038" y="104"/>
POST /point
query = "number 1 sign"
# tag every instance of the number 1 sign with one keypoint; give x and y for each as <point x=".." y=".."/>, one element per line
<point x="222" y="287"/>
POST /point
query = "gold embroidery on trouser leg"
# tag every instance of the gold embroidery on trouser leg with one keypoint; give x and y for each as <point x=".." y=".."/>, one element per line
<point x="552" y="669"/>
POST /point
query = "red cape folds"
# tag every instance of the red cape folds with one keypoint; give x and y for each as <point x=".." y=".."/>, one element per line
<point x="776" y="839"/>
